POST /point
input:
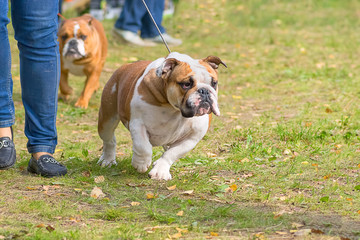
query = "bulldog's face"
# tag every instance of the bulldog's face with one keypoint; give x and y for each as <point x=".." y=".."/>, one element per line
<point x="192" y="85"/>
<point x="75" y="38"/>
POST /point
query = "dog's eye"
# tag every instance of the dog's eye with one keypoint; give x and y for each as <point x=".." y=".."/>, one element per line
<point x="214" y="83"/>
<point x="187" y="85"/>
<point x="64" y="37"/>
<point x="83" y="37"/>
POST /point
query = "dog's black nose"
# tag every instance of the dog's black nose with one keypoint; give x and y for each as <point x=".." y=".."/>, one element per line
<point x="73" y="43"/>
<point x="203" y="92"/>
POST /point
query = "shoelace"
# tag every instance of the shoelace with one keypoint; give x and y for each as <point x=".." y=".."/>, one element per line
<point x="51" y="160"/>
<point x="4" y="143"/>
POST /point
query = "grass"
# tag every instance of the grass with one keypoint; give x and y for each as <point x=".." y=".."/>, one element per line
<point x="284" y="156"/>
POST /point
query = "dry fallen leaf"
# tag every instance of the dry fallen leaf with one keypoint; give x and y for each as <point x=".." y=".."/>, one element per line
<point x="50" y="228"/>
<point x="189" y="192"/>
<point x="180" y="213"/>
<point x="150" y="196"/>
<point x="86" y="174"/>
<point x="176" y="235"/>
<point x="317" y="231"/>
<point x="182" y="230"/>
<point x="287" y="152"/>
<point x="214" y="234"/>
<point x="99" y="179"/>
<point x="41" y="225"/>
<point x="231" y="188"/>
<point x="296" y="225"/>
<point x="171" y="187"/>
<point x="303" y="232"/>
<point x="236" y="97"/>
<point x="279" y="214"/>
<point x="134" y="203"/>
<point x="328" y="110"/>
<point x="245" y="160"/>
<point x="97" y="193"/>
<point x="211" y="155"/>
<point x="327" y="176"/>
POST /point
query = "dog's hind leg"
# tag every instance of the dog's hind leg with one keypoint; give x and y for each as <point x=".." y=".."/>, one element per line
<point x="107" y="134"/>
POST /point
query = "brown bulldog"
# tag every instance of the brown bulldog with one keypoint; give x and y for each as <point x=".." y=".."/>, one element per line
<point x="83" y="49"/>
<point x="166" y="103"/>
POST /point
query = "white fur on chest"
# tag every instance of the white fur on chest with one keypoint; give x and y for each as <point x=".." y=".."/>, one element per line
<point x="75" y="69"/>
<point x="165" y="125"/>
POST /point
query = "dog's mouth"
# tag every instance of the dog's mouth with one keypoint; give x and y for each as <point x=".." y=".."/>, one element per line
<point x="202" y="108"/>
<point x="74" y="49"/>
<point x="73" y="54"/>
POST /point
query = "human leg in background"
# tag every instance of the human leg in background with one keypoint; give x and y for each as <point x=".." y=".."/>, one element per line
<point x="148" y="29"/>
<point x="129" y="23"/>
<point x="35" y="24"/>
<point x="113" y="9"/>
<point x="95" y="10"/>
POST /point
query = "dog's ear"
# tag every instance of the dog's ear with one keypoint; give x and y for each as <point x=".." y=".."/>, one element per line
<point x="62" y="22"/>
<point x="214" y="61"/>
<point x="90" y="21"/>
<point x="167" y="67"/>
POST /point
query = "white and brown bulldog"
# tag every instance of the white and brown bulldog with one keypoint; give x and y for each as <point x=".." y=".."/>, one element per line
<point x="83" y="49"/>
<point x="166" y="103"/>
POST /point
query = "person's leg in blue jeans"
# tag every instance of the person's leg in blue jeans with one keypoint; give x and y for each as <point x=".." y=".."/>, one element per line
<point x="35" y="25"/>
<point x="7" y="110"/>
<point x="134" y="15"/>
<point x="148" y="29"/>
<point x="134" y="18"/>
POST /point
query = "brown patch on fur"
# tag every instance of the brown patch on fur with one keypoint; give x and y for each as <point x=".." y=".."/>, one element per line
<point x="152" y="89"/>
<point x="210" y="117"/>
<point x="179" y="74"/>
<point x="118" y="102"/>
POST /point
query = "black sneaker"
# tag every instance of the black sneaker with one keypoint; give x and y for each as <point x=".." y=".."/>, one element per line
<point x="46" y="166"/>
<point x="7" y="152"/>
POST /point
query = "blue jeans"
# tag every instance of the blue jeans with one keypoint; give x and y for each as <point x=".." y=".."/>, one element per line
<point x="134" y="17"/>
<point x="35" y="25"/>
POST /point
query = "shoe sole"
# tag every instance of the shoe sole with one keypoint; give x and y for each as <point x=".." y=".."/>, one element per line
<point x="7" y="167"/>
<point x="10" y="166"/>
<point x="31" y="170"/>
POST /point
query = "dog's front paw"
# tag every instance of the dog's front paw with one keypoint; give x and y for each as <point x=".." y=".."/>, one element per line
<point x="81" y="103"/>
<point x="160" y="171"/>
<point x="106" y="162"/>
<point x="141" y="167"/>
<point x="64" y="97"/>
